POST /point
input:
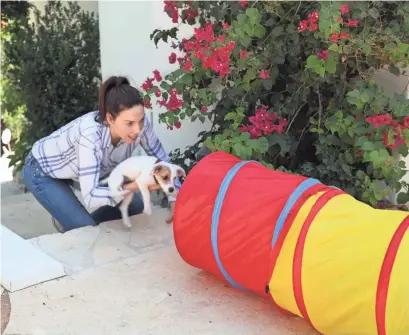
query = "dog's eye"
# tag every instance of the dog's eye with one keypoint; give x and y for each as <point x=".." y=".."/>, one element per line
<point x="165" y="178"/>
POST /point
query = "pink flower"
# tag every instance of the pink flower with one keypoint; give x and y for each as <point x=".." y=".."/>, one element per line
<point x="264" y="74"/>
<point x="343" y="36"/>
<point x="352" y="23"/>
<point x="314" y="16"/>
<point x="158" y="92"/>
<point x="172" y="58"/>
<point x="323" y="54"/>
<point x="147" y="104"/>
<point x="303" y="26"/>
<point x="313" y="26"/>
<point x="344" y="9"/>
<point x="188" y="66"/>
<point x="340" y="20"/>
<point x="148" y="84"/>
<point x="203" y="109"/>
<point x="178" y="124"/>
<point x="243" y="3"/>
<point x="334" y="37"/>
<point x="157" y="75"/>
<point x="243" y="54"/>
<point x="225" y="26"/>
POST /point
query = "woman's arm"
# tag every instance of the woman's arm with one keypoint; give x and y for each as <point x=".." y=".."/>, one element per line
<point x="151" y="144"/>
<point x="88" y="154"/>
<point x="134" y="187"/>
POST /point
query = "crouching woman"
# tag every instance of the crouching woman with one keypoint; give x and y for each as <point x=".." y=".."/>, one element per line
<point x="86" y="150"/>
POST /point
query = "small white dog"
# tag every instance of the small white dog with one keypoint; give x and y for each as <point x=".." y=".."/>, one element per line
<point x="145" y="171"/>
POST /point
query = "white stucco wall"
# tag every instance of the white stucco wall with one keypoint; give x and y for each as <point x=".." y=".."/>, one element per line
<point x="126" y="49"/>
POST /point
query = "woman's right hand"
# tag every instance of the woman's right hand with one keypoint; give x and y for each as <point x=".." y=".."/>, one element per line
<point x="133" y="187"/>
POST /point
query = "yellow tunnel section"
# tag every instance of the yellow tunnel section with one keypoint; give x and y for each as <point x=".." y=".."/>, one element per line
<point x="344" y="267"/>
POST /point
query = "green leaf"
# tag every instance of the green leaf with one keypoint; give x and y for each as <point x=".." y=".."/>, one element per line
<point x="331" y="65"/>
<point x="270" y="22"/>
<point x="402" y="198"/>
<point x="244" y="136"/>
<point x="313" y="61"/>
<point x="277" y="31"/>
<point x="267" y="83"/>
<point x="250" y="75"/>
<point x="165" y="85"/>
<point x="186" y="79"/>
<point x="402" y="164"/>
<point x="334" y="47"/>
<point x="403" y="150"/>
<point x="353" y="97"/>
<point x="368" y="146"/>
<point x="349" y="158"/>
<point x="367" y="49"/>
<point x="241" y="18"/>
<point x="237" y="149"/>
<point x="253" y="14"/>
<point x="274" y="74"/>
<point x="245" y="40"/>
<point x="259" y="31"/>
<point x="321" y="71"/>
<point x="374" y="13"/>
<point x="283" y="141"/>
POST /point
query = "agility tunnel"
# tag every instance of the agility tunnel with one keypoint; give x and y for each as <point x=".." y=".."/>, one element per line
<point x="313" y="249"/>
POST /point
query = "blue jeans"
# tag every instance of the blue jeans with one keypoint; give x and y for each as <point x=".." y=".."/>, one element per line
<point x="58" y="198"/>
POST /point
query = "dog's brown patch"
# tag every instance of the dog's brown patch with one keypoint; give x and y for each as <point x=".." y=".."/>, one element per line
<point x="163" y="172"/>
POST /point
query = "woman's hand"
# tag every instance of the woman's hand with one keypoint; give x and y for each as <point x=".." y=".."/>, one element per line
<point x="133" y="187"/>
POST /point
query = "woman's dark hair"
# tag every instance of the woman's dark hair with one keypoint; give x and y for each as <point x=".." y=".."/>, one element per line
<point x="116" y="95"/>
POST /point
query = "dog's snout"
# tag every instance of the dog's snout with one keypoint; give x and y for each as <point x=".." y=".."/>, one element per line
<point x="171" y="189"/>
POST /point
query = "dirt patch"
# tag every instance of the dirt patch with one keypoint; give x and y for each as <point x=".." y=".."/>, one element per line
<point x="5" y="310"/>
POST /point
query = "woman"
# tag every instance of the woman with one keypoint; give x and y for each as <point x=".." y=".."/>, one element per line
<point x="86" y="150"/>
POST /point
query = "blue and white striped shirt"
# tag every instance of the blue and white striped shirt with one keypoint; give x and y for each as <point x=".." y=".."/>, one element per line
<point x="82" y="151"/>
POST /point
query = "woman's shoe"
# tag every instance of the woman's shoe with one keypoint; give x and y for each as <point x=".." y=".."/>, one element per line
<point x="57" y="225"/>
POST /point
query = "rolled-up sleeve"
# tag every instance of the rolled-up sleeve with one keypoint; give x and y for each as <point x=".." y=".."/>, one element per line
<point x="89" y="158"/>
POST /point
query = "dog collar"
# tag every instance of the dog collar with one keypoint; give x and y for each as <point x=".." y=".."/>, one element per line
<point x="156" y="181"/>
<point x="158" y="161"/>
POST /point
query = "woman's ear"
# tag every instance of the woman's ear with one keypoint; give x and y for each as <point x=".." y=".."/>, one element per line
<point x="109" y="119"/>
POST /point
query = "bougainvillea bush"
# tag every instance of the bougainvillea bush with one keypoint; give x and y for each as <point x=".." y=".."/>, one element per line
<point x="291" y="84"/>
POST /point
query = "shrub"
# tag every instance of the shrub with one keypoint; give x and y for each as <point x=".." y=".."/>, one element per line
<point x="14" y="16"/>
<point x="294" y="87"/>
<point x="59" y="72"/>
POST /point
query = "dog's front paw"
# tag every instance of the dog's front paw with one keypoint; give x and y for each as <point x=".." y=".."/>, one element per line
<point x="127" y="222"/>
<point x="148" y="210"/>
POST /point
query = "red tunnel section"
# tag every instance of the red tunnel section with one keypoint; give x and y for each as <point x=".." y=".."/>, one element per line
<point x="251" y="207"/>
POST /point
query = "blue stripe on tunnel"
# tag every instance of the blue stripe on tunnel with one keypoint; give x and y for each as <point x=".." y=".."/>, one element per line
<point x="216" y="216"/>
<point x="297" y="193"/>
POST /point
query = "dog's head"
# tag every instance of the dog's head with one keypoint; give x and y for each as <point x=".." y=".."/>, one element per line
<point x="166" y="174"/>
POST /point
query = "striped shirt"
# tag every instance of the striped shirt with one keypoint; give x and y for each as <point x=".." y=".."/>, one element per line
<point x="82" y="151"/>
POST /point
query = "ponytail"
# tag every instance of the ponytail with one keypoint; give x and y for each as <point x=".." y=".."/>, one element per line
<point x="115" y="95"/>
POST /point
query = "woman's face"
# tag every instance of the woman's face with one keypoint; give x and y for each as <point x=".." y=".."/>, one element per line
<point x="127" y="125"/>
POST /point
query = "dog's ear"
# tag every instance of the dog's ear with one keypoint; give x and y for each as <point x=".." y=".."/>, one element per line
<point x="180" y="173"/>
<point x="156" y="169"/>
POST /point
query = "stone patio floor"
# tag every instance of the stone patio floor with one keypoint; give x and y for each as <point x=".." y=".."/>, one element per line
<point x="127" y="281"/>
